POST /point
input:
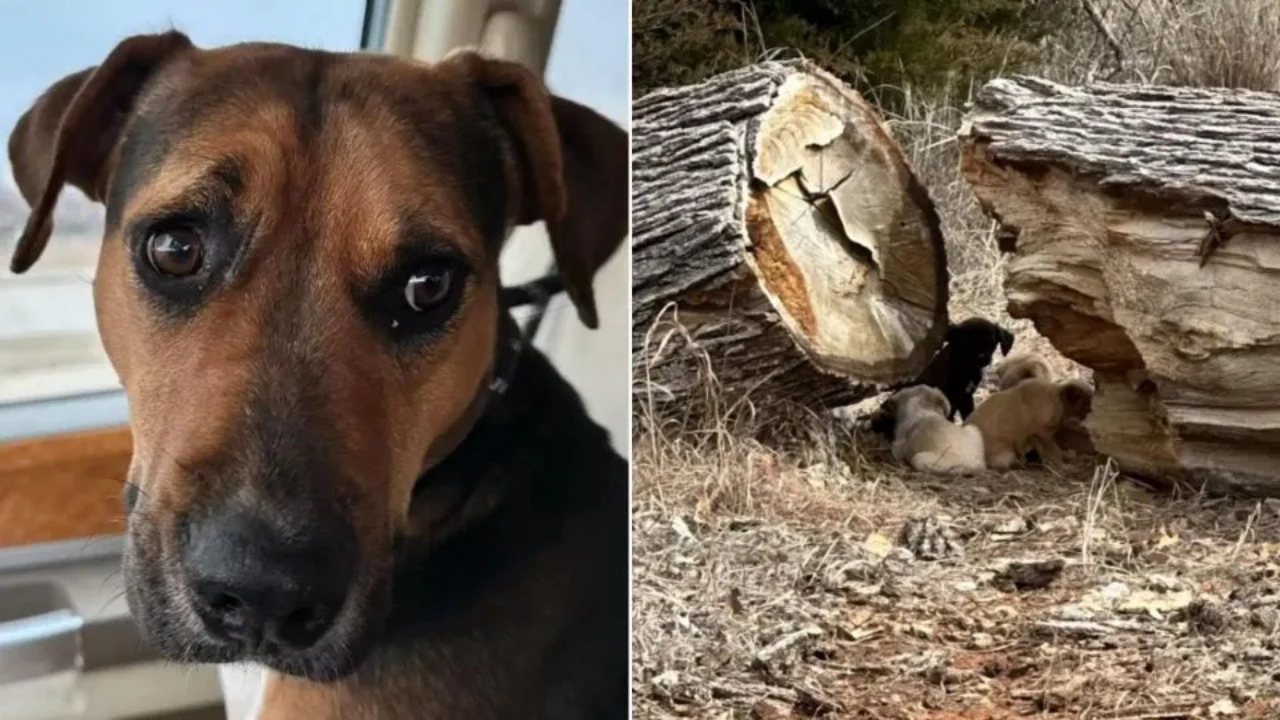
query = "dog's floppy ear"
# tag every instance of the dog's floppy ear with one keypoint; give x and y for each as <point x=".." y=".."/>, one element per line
<point x="69" y="133"/>
<point x="574" y="170"/>
<point x="1006" y="340"/>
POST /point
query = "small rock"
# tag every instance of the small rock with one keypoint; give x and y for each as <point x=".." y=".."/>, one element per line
<point x="902" y="555"/>
<point x="1064" y="525"/>
<point x="1115" y="591"/>
<point x="1164" y="583"/>
<point x="1258" y="654"/>
<point x="1267" y="618"/>
<point x="1011" y="526"/>
<point x="966" y="586"/>
<point x="1029" y="574"/>
<point x="928" y="538"/>
<point x="1205" y="617"/>
<point x="981" y="641"/>
<point x="866" y="590"/>
<point x="1242" y="696"/>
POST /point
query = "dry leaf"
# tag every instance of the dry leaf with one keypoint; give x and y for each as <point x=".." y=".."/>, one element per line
<point x="878" y="545"/>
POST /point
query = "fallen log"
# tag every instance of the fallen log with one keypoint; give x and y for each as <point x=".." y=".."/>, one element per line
<point x="1144" y="224"/>
<point x="780" y="244"/>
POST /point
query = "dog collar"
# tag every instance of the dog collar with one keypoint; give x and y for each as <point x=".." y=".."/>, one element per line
<point x="497" y="382"/>
<point x="506" y="357"/>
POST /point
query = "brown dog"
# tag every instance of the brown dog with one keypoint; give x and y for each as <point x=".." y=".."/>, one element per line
<point x="1014" y="370"/>
<point x="1026" y="417"/>
<point x="1072" y="435"/>
<point x="298" y="287"/>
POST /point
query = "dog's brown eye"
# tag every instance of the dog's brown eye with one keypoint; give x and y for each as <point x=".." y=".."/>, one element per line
<point x="428" y="287"/>
<point x="175" y="252"/>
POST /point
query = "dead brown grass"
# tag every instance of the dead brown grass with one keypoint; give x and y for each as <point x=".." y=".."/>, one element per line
<point x="1200" y="43"/>
<point x="770" y="581"/>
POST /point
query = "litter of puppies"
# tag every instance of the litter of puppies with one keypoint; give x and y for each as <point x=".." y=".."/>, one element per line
<point x="1030" y="417"/>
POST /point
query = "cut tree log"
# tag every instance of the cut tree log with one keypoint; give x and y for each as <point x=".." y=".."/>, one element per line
<point x="1144" y="224"/>
<point x="780" y="243"/>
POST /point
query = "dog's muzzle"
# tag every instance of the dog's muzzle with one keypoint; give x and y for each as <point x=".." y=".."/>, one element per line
<point x="264" y="588"/>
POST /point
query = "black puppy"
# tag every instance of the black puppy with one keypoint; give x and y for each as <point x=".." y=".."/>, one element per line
<point x="958" y="367"/>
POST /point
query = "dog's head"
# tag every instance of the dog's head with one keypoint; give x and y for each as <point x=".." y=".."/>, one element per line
<point x="1077" y="399"/>
<point x="298" y="287"/>
<point x="976" y="340"/>
<point x="919" y="400"/>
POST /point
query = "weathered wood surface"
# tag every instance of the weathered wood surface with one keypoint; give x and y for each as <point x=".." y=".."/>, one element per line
<point x="780" y="243"/>
<point x="1145" y="226"/>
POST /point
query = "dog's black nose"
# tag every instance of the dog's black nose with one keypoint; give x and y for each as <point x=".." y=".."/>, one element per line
<point x="253" y="584"/>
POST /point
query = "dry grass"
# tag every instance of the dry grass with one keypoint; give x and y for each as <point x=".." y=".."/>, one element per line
<point x="774" y="581"/>
<point x="1227" y="43"/>
<point x="1201" y="43"/>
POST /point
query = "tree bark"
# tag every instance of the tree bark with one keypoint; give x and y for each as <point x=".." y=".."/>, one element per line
<point x="783" y="252"/>
<point x="1144" y="224"/>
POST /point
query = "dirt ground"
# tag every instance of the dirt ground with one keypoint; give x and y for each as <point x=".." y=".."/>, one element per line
<point x="830" y="582"/>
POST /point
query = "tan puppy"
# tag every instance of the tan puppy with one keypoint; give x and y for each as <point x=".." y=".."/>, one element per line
<point x="1026" y="417"/>
<point x="926" y="440"/>
<point x="1022" y="367"/>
